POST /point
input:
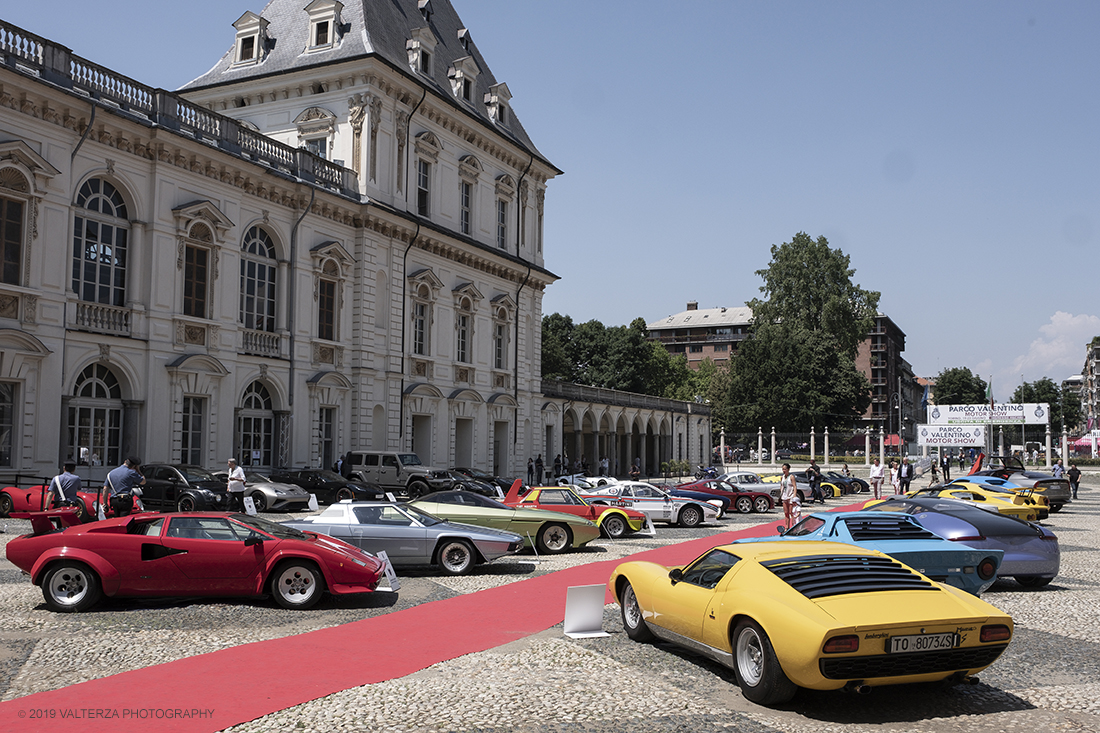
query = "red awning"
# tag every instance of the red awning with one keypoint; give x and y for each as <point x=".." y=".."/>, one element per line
<point x="892" y="440"/>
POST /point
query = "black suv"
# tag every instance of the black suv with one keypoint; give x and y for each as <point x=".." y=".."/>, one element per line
<point x="171" y="487"/>
<point x="328" y="486"/>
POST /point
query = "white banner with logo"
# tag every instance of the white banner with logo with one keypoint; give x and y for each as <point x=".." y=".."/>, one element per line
<point x="951" y="436"/>
<point x="1029" y="413"/>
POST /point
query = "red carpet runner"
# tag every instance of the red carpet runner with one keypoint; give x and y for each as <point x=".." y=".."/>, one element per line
<point x="213" y="691"/>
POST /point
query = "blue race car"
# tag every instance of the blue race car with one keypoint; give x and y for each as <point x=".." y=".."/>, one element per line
<point x="901" y="537"/>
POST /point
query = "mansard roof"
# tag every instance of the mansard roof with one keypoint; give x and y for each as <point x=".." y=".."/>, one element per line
<point x="369" y="28"/>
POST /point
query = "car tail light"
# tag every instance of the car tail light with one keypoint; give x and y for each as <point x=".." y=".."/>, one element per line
<point x="987" y="568"/>
<point x="996" y="632"/>
<point x="975" y="538"/>
<point x="1050" y="536"/>
<point x="841" y="644"/>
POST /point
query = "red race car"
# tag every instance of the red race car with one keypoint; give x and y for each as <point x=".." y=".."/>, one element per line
<point x="615" y="521"/>
<point x="31" y="498"/>
<point x="743" y="500"/>
<point x="192" y="554"/>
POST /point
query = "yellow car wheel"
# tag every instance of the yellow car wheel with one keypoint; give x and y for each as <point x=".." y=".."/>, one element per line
<point x="614" y="525"/>
<point x="758" y="672"/>
<point x="633" y="622"/>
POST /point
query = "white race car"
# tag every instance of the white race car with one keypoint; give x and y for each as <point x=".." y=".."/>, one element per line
<point x="658" y="505"/>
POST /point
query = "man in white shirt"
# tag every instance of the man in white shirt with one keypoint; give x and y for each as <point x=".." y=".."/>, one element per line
<point x="236" y="484"/>
<point x="877" y="475"/>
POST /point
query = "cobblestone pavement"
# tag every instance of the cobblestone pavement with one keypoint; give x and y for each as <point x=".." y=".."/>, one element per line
<point x="1049" y="678"/>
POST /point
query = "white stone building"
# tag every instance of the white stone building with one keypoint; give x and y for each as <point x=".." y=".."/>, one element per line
<point x="366" y="273"/>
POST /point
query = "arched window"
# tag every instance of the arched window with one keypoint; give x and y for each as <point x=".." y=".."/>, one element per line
<point x="464" y="326"/>
<point x="95" y="418"/>
<point x="258" y="268"/>
<point x="101" y="234"/>
<point x="256" y="426"/>
<point x="13" y="204"/>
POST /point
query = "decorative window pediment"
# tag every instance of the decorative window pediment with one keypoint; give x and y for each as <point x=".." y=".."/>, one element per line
<point x="421" y="49"/>
<point x="503" y="307"/>
<point x="21" y="154"/>
<point x="467" y="296"/>
<point x="331" y="259"/>
<point x="470" y="168"/>
<point x="325" y="27"/>
<point x="428" y="146"/>
<point x="198" y="216"/>
<point x="497" y="100"/>
<point x="463" y="75"/>
<point x="315" y="120"/>
<point x="506" y="186"/>
<point x="251" y="45"/>
<point x="427" y="278"/>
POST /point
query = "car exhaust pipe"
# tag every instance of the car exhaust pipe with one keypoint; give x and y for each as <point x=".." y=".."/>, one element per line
<point x="858" y="687"/>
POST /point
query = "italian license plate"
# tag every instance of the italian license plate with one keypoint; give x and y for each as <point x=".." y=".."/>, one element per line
<point x="921" y="643"/>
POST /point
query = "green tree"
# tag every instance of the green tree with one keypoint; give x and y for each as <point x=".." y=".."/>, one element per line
<point x="1065" y="409"/>
<point x="809" y="285"/>
<point x="557" y="337"/>
<point x="797" y="368"/>
<point x="959" y="386"/>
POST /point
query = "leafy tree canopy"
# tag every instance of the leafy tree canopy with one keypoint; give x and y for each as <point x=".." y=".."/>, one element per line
<point x="809" y="285"/>
<point x="1065" y="408"/>
<point x="959" y="386"/>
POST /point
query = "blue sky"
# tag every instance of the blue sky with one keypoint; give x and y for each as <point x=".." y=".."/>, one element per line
<point x="950" y="149"/>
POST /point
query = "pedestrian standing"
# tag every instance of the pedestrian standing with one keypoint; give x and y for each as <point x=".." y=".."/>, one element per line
<point x="604" y="463"/>
<point x="895" y="482"/>
<point x="1074" y="476"/>
<point x="539" y="466"/>
<point x="813" y="474"/>
<point x="876" y="477"/>
<point x="557" y="465"/>
<point x="530" y="471"/>
<point x="118" y="489"/>
<point x="236" y="484"/>
<point x="1059" y="470"/>
<point x="945" y="462"/>
<point x="905" y="475"/>
<point x="64" y="488"/>
<point x="788" y="493"/>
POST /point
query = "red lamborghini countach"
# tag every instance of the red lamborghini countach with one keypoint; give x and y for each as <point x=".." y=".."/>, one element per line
<point x="193" y="554"/>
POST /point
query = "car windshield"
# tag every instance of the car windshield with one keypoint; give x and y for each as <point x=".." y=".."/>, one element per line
<point x="279" y="531"/>
<point x="327" y="475"/>
<point x="409" y="459"/>
<point x="806" y="526"/>
<point x="421" y="516"/>
<point x="256" y="478"/>
<point x="194" y="473"/>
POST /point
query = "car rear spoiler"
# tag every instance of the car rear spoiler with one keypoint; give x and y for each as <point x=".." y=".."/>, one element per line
<point x="51" y="520"/>
<point x="513" y="492"/>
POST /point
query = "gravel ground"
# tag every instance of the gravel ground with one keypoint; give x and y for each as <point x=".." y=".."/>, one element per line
<point x="1049" y="679"/>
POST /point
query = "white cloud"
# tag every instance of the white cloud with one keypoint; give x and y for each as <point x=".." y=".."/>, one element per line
<point x="1058" y="352"/>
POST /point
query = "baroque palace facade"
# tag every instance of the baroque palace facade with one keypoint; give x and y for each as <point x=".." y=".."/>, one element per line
<point x="331" y="240"/>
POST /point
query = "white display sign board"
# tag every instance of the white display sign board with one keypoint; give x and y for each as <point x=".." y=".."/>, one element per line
<point x="1029" y="413"/>
<point x="391" y="576"/>
<point x="951" y="436"/>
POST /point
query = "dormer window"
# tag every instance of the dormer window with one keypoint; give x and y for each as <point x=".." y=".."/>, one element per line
<point x="425" y="7"/>
<point x="496" y="100"/>
<point x="421" y="47"/>
<point x="463" y="75"/>
<point x="324" y="23"/>
<point x="251" y="37"/>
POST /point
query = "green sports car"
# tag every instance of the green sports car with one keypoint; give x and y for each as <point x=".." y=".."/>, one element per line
<point x="550" y="532"/>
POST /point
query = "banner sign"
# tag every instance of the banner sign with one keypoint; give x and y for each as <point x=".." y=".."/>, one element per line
<point x="1029" y="413"/>
<point x="951" y="436"/>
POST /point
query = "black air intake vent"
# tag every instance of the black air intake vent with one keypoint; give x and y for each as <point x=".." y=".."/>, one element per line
<point x="834" y="575"/>
<point x="889" y="528"/>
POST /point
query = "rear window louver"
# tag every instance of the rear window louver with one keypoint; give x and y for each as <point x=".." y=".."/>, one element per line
<point x="890" y="528"/>
<point x="834" y="575"/>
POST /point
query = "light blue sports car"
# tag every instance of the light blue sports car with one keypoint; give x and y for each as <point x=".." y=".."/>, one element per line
<point x="901" y="537"/>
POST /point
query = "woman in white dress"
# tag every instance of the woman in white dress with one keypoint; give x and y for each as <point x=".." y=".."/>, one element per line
<point x="788" y="494"/>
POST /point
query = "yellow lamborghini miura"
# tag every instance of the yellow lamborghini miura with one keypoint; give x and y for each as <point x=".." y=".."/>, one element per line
<point x="820" y="615"/>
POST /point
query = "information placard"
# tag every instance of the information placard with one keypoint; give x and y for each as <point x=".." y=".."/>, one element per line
<point x="1028" y="413"/>
<point x="951" y="436"/>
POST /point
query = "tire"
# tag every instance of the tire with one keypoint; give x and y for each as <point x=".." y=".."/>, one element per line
<point x="554" y="538"/>
<point x="690" y="516"/>
<point x="6" y="505"/>
<point x="70" y="587"/>
<point x="186" y="504"/>
<point x="418" y="489"/>
<point x="633" y="623"/>
<point x="614" y="525"/>
<point x="1032" y="581"/>
<point x="344" y="493"/>
<point x="297" y="584"/>
<point x="456" y="557"/>
<point x="761" y="505"/>
<point x="1055" y="508"/>
<point x="758" y="672"/>
<point x="802" y="497"/>
<point x="259" y="500"/>
<point x="82" y="511"/>
<point x="743" y="504"/>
